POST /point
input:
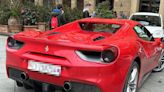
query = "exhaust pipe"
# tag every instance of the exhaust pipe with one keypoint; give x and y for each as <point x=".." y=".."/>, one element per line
<point x="67" y="86"/>
<point x="24" y="76"/>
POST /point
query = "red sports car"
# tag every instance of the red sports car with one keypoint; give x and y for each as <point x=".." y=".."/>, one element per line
<point x="88" y="55"/>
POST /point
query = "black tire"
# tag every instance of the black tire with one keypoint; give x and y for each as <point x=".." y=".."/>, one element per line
<point x="128" y="76"/>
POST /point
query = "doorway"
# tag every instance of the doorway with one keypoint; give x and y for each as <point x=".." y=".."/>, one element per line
<point x="80" y="4"/>
<point x="149" y="6"/>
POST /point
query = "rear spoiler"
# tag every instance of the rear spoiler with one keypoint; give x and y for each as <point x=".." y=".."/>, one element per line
<point x="60" y="43"/>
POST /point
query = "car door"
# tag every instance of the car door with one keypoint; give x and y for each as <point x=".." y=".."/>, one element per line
<point x="149" y="47"/>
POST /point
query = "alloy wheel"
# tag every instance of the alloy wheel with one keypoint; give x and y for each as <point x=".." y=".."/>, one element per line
<point x="160" y="66"/>
<point x="133" y="79"/>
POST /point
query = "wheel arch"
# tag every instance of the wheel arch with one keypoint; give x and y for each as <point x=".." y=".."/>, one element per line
<point x="138" y="61"/>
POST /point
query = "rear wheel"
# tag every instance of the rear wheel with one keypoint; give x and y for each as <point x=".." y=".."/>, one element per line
<point x="160" y="66"/>
<point x="132" y="79"/>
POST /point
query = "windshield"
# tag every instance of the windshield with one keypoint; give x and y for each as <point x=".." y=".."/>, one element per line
<point x="100" y="27"/>
<point x="147" y="20"/>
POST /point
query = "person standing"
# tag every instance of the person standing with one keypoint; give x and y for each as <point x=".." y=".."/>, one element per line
<point x="121" y="15"/>
<point x="59" y="6"/>
<point x="54" y="21"/>
<point x="57" y="18"/>
<point x="93" y="14"/>
<point x="114" y="14"/>
<point x="86" y="11"/>
<point x="61" y="17"/>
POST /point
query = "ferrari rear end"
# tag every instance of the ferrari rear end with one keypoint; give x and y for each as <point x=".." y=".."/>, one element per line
<point x="44" y="62"/>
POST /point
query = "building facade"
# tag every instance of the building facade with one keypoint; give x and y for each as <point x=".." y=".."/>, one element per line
<point x="126" y="6"/>
<point x="132" y="6"/>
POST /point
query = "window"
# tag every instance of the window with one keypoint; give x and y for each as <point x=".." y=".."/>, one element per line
<point x="100" y="27"/>
<point x="80" y="4"/>
<point x="147" y="20"/>
<point x="143" y="33"/>
<point x="149" y="6"/>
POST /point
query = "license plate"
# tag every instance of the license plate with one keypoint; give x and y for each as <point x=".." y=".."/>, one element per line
<point x="44" y="68"/>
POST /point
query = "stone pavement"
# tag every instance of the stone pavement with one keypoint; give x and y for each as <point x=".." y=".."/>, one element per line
<point x="155" y="83"/>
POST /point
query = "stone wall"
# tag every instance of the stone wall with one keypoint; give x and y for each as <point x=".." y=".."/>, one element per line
<point x="38" y="2"/>
<point x="3" y="29"/>
<point x="134" y="6"/>
<point x="122" y="5"/>
<point x="73" y="4"/>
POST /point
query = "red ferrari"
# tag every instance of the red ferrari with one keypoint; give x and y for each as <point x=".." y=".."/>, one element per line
<point x="88" y="55"/>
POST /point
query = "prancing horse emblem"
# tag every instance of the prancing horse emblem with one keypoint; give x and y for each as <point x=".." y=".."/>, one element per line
<point x="46" y="49"/>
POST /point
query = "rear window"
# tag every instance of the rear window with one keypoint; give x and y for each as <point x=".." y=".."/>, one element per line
<point x="147" y="20"/>
<point x="100" y="27"/>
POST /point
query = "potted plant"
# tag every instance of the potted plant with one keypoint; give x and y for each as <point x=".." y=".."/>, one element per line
<point x="29" y="19"/>
<point x="4" y="15"/>
<point x="43" y="17"/>
<point x="34" y="16"/>
<point x="13" y="21"/>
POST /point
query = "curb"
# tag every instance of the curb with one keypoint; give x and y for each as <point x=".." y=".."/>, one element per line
<point x="6" y="34"/>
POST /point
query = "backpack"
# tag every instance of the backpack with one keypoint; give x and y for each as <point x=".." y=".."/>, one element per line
<point x="54" y="22"/>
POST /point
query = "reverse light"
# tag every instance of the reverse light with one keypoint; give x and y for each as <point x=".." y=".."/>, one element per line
<point x="14" y="44"/>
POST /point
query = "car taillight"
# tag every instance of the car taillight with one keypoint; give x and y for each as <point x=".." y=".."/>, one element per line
<point x="109" y="55"/>
<point x="14" y="44"/>
<point x="105" y="56"/>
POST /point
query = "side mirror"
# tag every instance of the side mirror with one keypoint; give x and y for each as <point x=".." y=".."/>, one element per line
<point x="157" y="41"/>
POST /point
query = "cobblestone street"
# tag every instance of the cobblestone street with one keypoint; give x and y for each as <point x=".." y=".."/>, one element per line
<point x="154" y="83"/>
